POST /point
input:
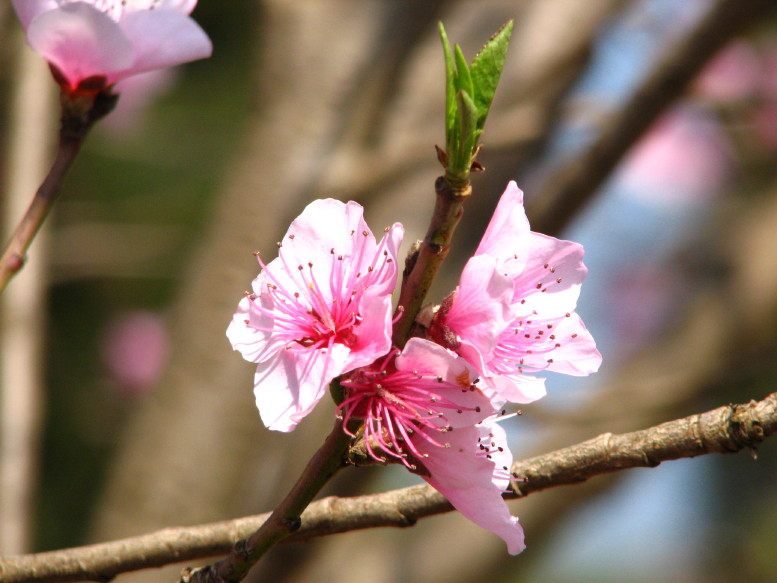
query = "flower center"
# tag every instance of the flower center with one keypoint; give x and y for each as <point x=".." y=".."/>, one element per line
<point x="400" y="407"/>
<point x="317" y="306"/>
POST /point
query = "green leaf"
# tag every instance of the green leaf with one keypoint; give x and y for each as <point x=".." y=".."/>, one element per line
<point x="463" y="78"/>
<point x="469" y="133"/>
<point x="450" y="89"/>
<point x="486" y="69"/>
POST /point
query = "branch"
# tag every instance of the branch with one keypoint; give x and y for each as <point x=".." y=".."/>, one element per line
<point x="284" y="520"/>
<point x="727" y="429"/>
<point x="15" y="254"/>
<point x="577" y="181"/>
<point x="432" y="251"/>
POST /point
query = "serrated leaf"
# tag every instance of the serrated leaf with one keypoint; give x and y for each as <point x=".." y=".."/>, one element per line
<point x="486" y="68"/>
<point x="450" y="88"/>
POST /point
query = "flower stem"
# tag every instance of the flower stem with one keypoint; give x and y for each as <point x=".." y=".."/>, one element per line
<point x="448" y="210"/>
<point x="284" y="520"/>
<point x="15" y="253"/>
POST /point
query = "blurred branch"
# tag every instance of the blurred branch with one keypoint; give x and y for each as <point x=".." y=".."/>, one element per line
<point x="727" y="429"/>
<point x="576" y="182"/>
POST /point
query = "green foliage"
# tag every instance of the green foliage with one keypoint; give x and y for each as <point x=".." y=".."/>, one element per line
<point x="469" y="92"/>
<point x="486" y="69"/>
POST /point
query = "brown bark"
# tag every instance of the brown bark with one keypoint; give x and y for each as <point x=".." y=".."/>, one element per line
<point x="727" y="429"/>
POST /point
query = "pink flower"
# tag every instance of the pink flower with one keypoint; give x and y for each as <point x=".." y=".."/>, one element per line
<point x="421" y="409"/>
<point x="104" y="41"/>
<point x="135" y="349"/>
<point x="542" y="331"/>
<point x="321" y="309"/>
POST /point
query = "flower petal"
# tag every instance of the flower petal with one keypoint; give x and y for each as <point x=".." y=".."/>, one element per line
<point x="572" y="351"/>
<point x="81" y="42"/>
<point x="549" y="283"/>
<point x="374" y="333"/>
<point x="474" y="483"/>
<point x="249" y="332"/>
<point x="287" y="388"/>
<point x="508" y="231"/>
<point x="163" y="38"/>
<point x="429" y="358"/>
<point x="481" y="308"/>
<point x="327" y="225"/>
<point x="515" y="388"/>
<point x="184" y="6"/>
<point x="26" y="10"/>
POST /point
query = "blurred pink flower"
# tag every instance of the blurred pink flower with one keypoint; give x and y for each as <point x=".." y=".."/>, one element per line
<point x="322" y="308"/>
<point x="683" y="158"/>
<point x="92" y="44"/>
<point x="733" y="75"/>
<point x="541" y="331"/>
<point x="421" y="409"/>
<point x="135" y="349"/>
<point x="129" y="117"/>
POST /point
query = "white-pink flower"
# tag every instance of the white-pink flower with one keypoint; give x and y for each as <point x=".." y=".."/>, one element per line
<point x="104" y="41"/>
<point x="542" y="332"/>
<point x="421" y="409"/>
<point x="320" y="309"/>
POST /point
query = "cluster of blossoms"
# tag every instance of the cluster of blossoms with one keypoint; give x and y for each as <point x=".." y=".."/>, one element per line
<point x="322" y="311"/>
<point x="92" y="44"/>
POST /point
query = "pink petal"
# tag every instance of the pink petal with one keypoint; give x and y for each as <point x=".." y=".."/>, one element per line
<point x="549" y="283"/>
<point x="81" y="42"/>
<point x="287" y="387"/>
<point x="576" y="353"/>
<point x="29" y="9"/>
<point x="374" y="336"/>
<point x="508" y="230"/>
<point x="184" y="6"/>
<point x="330" y="224"/>
<point x="328" y="229"/>
<point x="472" y="482"/>
<point x="163" y="38"/>
<point x="515" y="388"/>
<point x="430" y="358"/>
<point x="249" y="332"/>
<point x="481" y="307"/>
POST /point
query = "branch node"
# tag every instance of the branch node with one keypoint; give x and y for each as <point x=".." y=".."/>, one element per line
<point x="292" y="524"/>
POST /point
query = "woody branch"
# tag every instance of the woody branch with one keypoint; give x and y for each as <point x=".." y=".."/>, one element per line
<point x="727" y="429"/>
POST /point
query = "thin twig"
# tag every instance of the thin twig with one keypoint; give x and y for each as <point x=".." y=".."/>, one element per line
<point x="15" y="253"/>
<point x="723" y="430"/>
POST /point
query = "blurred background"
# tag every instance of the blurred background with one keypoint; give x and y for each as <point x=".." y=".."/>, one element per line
<point x="124" y="409"/>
